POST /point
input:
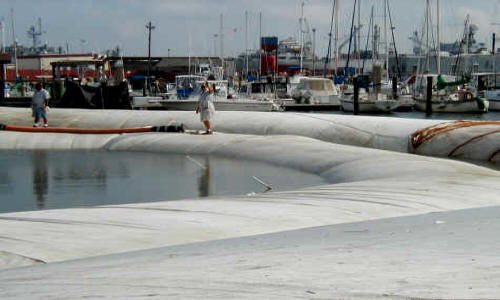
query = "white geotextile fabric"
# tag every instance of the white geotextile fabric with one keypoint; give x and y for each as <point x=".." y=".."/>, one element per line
<point x="385" y="133"/>
<point x="366" y="184"/>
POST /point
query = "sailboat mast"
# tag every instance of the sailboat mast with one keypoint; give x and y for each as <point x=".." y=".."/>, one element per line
<point x="4" y="70"/>
<point x="246" y="42"/>
<point x="358" y="43"/>
<point x="314" y="51"/>
<point x="386" y="42"/>
<point x="328" y="52"/>
<point x="427" y="21"/>
<point x="260" y="43"/>
<point x="301" y="35"/>
<point x="493" y="51"/>
<point x="337" y="34"/>
<point x="221" y="35"/>
<point x="438" y="38"/>
<point x="14" y="42"/>
<point x="351" y="37"/>
<point x="467" y="30"/>
<point x="189" y="52"/>
<point x="3" y="34"/>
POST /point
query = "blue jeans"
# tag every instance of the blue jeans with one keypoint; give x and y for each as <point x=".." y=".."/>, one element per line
<point x="40" y="113"/>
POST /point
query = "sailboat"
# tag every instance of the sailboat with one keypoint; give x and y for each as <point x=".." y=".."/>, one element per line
<point x="376" y="100"/>
<point x="448" y="94"/>
<point x="488" y="82"/>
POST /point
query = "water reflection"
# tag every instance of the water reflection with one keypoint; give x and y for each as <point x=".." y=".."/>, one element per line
<point x="5" y="180"/>
<point x="205" y="181"/>
<point x="86" y="170"/>
<point x="58" y="179"/>
<point x="40" y="177"/>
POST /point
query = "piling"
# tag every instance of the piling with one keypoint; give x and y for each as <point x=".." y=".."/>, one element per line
<point x="428" y="102"/>
<point x="356" y="95"/>
<point x="394" y="87"/>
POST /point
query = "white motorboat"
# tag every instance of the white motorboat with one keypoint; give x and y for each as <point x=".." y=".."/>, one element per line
<point x="313" y="90"/>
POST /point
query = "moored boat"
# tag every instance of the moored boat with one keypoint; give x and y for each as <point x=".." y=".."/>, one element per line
<point x="493" y="97"/>
<point x="450" y="97"/>
<point x="312" y="90"/>
<point x="370" y="103"/>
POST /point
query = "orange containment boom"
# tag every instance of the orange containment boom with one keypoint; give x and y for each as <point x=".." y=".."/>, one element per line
<point x="170" y="128"/>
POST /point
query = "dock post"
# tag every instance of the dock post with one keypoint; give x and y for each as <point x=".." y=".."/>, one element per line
<point x="395" y="87"/>
<point x="428" y="102"/>
<point x="2" y="83"/>
<point x="356" y="95"/>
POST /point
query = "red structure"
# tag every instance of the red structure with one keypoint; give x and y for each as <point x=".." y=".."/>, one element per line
<point x="269" y="62"/>
<point x="269" y="44"/>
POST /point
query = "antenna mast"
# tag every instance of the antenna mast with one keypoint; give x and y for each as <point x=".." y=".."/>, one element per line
<point x="34" y="33"/>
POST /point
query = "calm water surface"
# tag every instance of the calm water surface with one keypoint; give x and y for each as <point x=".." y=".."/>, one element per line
<point x="35" y="180"/>
<point x="435" y="116"/>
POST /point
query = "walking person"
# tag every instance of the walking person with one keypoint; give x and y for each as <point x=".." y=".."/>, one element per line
<point x="40" y="105"/>
<point x="206" y="107"/>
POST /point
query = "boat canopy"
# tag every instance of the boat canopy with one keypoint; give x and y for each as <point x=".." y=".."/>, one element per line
<point x="316" y="84"/>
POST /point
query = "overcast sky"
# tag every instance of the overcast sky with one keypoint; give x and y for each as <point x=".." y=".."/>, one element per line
<point x="188" y="26"/>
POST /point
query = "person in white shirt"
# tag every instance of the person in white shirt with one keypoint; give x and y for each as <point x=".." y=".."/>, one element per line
<point x="206" y="107"/>
<point x="40" y="105"/>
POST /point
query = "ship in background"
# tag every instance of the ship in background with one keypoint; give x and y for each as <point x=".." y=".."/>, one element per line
<point x="297" y="54"/>
<point x="289" y="58"/>
<point x="476" y="57"/>
<point x="32" y="62"/>
<point x="467" y="44"/>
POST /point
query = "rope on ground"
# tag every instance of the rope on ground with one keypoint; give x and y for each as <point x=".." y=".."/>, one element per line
<point x="424" y="135"/>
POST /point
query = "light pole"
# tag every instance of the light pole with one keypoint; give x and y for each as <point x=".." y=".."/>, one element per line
<point x="314" y="52"/>
<point x="150" y="28"/>
<point x="148" y="80"/>
<point x="215" y="44"/>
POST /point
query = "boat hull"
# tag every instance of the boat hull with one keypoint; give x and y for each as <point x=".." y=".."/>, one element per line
<point x="369" y="106"/>
<point x="191" y="104"/>
<point x="493" y="97"/>
<point x="453" y="106"/>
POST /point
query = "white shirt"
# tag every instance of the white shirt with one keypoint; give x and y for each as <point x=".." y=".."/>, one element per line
<point x="39" y="98"/>
<point x="204" y="101"/>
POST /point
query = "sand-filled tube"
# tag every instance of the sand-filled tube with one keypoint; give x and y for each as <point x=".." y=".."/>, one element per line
<point x="479" y="140"/>
<point x="368" y="189"/>
<point x="476" y="140"/>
